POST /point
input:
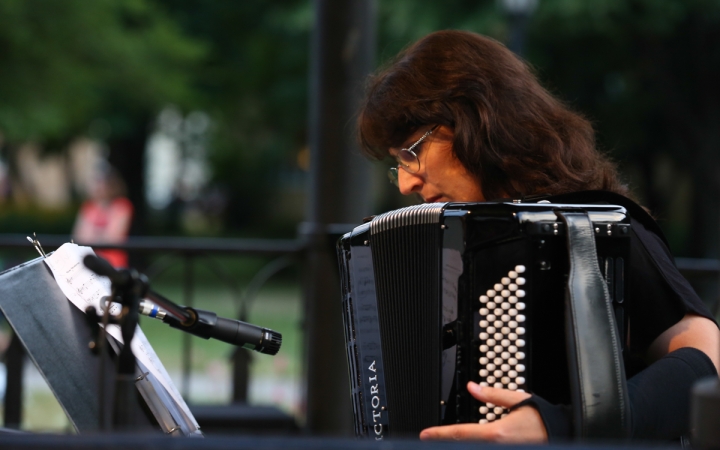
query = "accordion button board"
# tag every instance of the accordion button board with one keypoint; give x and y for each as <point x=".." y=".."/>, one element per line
<point x="502" y="339"/>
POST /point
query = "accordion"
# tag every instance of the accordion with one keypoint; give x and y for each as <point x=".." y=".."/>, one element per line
<point x="436" y="295"/>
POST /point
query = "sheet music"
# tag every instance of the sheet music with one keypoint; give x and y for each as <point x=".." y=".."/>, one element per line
<point x="85" y="288"/>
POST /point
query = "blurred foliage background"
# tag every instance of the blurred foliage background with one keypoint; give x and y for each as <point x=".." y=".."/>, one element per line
<point x="644" y="71"/>
<point x="221" y="87"/>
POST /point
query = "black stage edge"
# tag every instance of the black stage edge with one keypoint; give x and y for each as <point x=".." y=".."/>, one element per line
<point x="143" y="442"/>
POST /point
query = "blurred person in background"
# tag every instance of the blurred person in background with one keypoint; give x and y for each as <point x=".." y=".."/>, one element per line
<point x="465" y="120"/>
<point x="105" y="217"/>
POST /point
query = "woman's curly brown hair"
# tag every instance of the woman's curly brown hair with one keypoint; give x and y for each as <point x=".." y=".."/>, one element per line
<point x="509" y="132"/>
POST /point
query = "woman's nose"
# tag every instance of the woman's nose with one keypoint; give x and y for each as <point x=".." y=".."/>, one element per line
<point x="409" y="183"/>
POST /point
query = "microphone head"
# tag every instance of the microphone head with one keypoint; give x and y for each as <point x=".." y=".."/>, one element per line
<point x="272" y="340"/>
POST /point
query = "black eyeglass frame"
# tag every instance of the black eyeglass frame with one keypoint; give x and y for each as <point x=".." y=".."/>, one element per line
<point x="410" y="160"/>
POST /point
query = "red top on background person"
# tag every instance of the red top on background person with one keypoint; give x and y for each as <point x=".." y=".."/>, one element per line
<point x="105" y="217"/>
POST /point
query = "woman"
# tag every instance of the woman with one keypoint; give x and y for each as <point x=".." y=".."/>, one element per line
<point x="466" y="120"/>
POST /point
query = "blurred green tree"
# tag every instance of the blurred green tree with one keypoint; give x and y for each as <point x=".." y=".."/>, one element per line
<point x="71" y="64"/>
<point x="254" y="80"/>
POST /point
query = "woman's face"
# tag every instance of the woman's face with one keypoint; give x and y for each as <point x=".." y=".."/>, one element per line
<point x="441" y="178"/>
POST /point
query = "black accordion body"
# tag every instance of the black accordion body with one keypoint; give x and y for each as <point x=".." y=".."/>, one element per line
<point x="437" y="295"/>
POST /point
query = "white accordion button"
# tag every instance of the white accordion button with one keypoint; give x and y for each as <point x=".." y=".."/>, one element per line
<point x="520" y="380"/>
<point x="505" y="355"/>
<point x="498" y="385"/>
<point x="505" y="306"/>
<point x="512" y="361"/>
<point x="512" y="299"/>
<point x="520" y="293"/>
<point x="512" y="312"/>
<point x="505" y="343"/>
<point x="505" y="380"/>
<point x="520" y="306"/>
<point x="520" y="318"/>
<point x="490" y="306"/>
<point x="521" y="330"/>
<point x="490" y="405"/>
<point x="484" y="384"/>
<point x="483" y="348"/>
<point x="490" y="366"/>
<point x="484" y="410"/>
<point x="483" y="299"/>
<point x="512" y="336"/>
<point x="491" y="318"/>
<point x="505" y="318"/>
<point x="498" y="362"/>
<point x="512" y="349"/>
<point x="498" y="349"/>
<point x="498" y="374"/>
<point x="505" y="280"/>
<point x="498" y="287"/>
<point x="498" y="410"/>
<point x="498" y="312"/>
<point x="521" y="390"/>
<point x="513" y="287"/>
<point x="491" y="342"/>
<point x="520" y="355"/>
<point x="483" y="323"/>
<point x="504" y="415"/>
<point x="520" y="269"/>
<point x="520" y="368"/>
<point x="520" y="281"/>
<point x="491" y="416"/>
<point x="483" y="311"/>
<point x="512" y="386"/>
<point x="498" y="324"/>
<point x="512" y="274"/>
<point x="498" y="336"/>
<point x="505" y="367"/>
<point x="483" y="421"/>
<point x="512" y="324"/>
<point x="521" y="343"/>
<point x="483" y="360"/>
<point x="490" y="379"/>
<point x="491" y="293"/>
<point x="512" y="373"/>
<point x="483" y="373"/>
<point x="483" y="336"/>
<point x="491" y="354"/>
<point x="505" y="330"/>
<point x="505" y="293"/>
<point x="491" y="329"/>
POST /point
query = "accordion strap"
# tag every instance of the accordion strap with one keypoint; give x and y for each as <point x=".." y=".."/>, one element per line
<point x="597" y="377"/>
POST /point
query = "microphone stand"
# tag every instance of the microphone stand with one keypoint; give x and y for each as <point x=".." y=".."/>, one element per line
<point x="128" y="288"/>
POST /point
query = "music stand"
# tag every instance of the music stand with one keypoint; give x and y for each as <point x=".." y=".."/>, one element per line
<point x="55" y="335"/>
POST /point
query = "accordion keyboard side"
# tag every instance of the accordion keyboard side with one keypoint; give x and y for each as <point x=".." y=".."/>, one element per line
<point x="343" y="254"/>
<point x="362" y="337"/>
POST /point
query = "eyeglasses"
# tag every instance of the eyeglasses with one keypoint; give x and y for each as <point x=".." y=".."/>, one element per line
<point x="408" y="159"/>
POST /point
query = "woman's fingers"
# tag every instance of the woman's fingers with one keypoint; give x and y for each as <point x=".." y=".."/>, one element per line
<point x="496" y="396"/>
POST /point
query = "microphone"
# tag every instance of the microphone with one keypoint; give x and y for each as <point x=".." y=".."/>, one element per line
<point x="201" y="323"/>
<point x="206" y="324"/>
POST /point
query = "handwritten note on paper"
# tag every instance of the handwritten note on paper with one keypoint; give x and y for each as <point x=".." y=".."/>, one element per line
<point x="85" y="288"/>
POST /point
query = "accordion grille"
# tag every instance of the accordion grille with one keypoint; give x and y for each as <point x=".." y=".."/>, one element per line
<point x="407" y="285"/>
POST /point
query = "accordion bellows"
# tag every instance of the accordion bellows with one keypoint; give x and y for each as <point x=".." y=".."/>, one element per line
<point x="436" y="295"/>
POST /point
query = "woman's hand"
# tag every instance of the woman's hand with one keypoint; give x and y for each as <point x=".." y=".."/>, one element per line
<point x="522" y="425"/>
